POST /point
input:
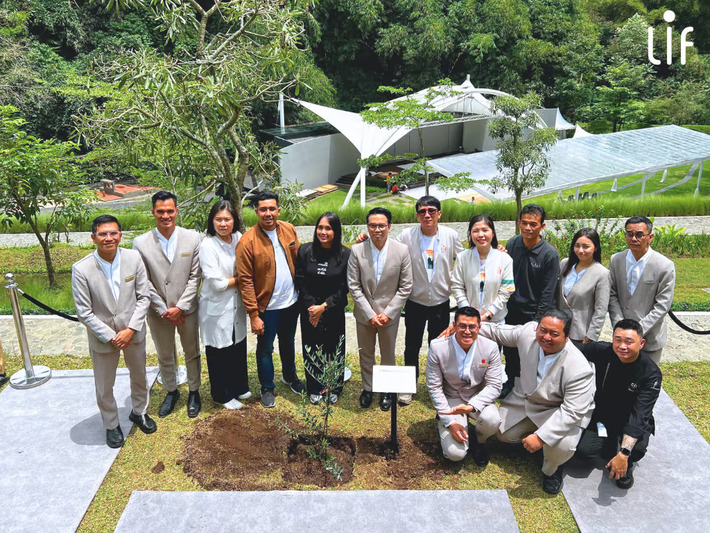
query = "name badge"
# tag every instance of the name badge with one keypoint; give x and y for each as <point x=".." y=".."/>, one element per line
<point x="186" y="254"/>
<point x="129" y="278"/>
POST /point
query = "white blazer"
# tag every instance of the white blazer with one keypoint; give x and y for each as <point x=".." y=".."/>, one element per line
<point x="221" y="310"/>
<point x="499" y="285"/>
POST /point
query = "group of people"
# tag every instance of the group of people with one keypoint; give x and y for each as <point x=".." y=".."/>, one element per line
<point x="546" y="315"/>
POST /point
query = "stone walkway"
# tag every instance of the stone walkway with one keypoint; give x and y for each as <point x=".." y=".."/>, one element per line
<point x="505" y="229"/>
<point x="48" y="335"/>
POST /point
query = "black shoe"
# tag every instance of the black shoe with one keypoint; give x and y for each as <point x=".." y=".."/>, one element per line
<point x="114" y="437"/>
<point x="145" y="423"/>
<point x="194" y="403"/>
<point x="268" y="398"/>
<point x="295" y="385"/>
<point x="480" y="452"/>
<point x="169" y="403"/>
<point x="3" y="379"/>
<point x="507" y="389"/>
<point x="627" y="480"/>
<point x="385" y="401"/>
<point x="552" y="484"/>
<point x="365" y="399"/>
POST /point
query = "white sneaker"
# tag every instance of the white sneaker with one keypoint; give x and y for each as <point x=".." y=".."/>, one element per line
<point x="404" y="399"/>
<point x="245" y="396"/>
<point x="233" y="404"/>
<point x="315" y="398"/>
<point x="333" y="398"/>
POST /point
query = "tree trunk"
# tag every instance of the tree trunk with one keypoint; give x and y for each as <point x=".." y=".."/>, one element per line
<point x="423" y="158"/>
<point x="47" y="256"/>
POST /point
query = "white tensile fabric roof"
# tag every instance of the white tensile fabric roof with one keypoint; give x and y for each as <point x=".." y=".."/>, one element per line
<point x="586" y="159"/>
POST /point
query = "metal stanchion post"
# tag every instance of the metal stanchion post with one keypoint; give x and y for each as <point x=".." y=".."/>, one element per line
<point x="29" y="376"/>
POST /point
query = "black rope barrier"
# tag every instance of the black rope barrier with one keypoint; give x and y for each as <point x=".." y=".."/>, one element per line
<point x="684" y="327"/>
<point x="46" y="307"/>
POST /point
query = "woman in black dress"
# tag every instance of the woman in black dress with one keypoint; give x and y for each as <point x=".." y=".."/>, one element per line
<point x="321" y="280"/>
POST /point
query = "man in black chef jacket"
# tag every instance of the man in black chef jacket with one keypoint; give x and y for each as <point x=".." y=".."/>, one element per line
<point x="628" y="385"/>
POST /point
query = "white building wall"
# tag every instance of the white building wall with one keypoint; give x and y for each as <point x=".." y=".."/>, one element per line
<point x="319" y="160"/>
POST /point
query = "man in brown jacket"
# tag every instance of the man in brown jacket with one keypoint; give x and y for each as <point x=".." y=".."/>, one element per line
<point x="266" y="256"/>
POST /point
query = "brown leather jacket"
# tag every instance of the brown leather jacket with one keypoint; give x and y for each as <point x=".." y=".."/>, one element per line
<point x="256" y="264"/>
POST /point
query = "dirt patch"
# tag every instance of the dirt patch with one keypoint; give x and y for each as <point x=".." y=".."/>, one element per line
<point x="245" y="450"/>
<point x="158" y="468"/>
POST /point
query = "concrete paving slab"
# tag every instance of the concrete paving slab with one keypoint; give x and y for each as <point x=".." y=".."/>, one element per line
<point x="671" y="484"/>
<point x="54" y="455"/>
<point x="333" y="511"/>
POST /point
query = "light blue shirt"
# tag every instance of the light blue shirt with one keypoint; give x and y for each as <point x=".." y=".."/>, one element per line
<point x="463" y="360"/>
<point x="112" y="271"/>
<point x="572" y="278"/>
<point x="634" y="269"/>
<point x="379" y="257"/>
<point x="168" y="245"/>
<point x="544" y="364"/>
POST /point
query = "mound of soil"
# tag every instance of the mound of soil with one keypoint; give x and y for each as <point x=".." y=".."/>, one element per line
<point x="246" y="450"/>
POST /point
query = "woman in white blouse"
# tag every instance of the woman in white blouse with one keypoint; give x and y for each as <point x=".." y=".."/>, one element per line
<point x="584" y="286"/>
<point x="222" y="316"/>
<point x="483" y="275"/>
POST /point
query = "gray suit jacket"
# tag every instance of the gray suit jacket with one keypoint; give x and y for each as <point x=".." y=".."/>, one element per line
<point x="651" y="300"/>
<point x="563" y="399"/>
<point x="96" y="307"/>
<point x="390" y="294"/>
<point x="172" y="284"/>
<point x="588" y="301"/>
<point x="444" y="382"/>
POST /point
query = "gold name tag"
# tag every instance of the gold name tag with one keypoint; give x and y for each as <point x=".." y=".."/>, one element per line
<point x="186" y="254"/>
<point x="130" y="278"/>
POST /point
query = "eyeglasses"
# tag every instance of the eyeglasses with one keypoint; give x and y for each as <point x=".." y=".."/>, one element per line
<point x="377" y="226"/>
<point x="464" y="327"/>
<point x="104" y="234"/>
<point x="431" y="211"/>
<point x="638" y="234"/>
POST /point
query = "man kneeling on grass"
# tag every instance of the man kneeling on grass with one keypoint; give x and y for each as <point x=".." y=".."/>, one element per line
<point x="464" y="377"/>
<point x="628" y="385"/>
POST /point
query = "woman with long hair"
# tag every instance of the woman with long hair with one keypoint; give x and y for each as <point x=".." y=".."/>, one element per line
<point x="584" y="286"/>
<point x="483" y="275"/>
<point x="222" y="315"/>
<point x="321" y="280"/>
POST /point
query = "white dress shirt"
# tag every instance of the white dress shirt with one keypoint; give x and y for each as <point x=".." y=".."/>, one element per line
<point x="112" y="271"/>
<point x="544" y="364"/>
<point x="379" y="257"/>
<point x="168" y="245"/>
<point x="463" y="360"/>
<point x="634" y="269"/>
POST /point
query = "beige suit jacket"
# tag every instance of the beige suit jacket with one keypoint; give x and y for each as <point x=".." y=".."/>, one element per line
<point x="588" y="301"/>
<point x="390" y="294"/>
<point x="172" y="284"/>
<point x="444" y="382"/>
<point x="651" y="300"/>
<point x="96" y="307"/>
<point x="564" y="399"/>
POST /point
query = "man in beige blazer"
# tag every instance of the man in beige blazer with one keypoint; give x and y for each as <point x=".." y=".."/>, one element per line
<point x="380" y="281"/>
<point x="111" y="296"/>
<point x="642" y="285"/>
<point x="464" y="378"/>
<point x="553" y="399"/>
<point x="171" y="258"/>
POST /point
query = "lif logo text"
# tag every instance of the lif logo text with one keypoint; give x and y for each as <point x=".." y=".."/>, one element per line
<point x="669" y="17"/>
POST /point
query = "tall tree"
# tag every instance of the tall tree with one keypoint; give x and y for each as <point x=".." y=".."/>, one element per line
<point x="38" y="175"/>
<point x="522" y="145"/>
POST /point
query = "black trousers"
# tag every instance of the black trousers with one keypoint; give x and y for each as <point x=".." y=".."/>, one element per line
<point x="227" y="368"/>
<point x="416" y="316"/>
<point x="326" y="336"/>
<point x="592" y="445"/>
<point x="512" y="357"/>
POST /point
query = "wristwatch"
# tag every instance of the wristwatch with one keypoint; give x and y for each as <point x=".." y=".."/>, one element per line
<point x="625" y="451"/>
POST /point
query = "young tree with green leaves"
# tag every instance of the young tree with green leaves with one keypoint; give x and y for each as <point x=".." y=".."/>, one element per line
<point x="522" y="145"/>
<point x="38" y="175"/>
<point x="228" y="56"/>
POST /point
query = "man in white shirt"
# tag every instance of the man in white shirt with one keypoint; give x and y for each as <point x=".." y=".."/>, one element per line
<point x="171" y="257"/>
<point x="380" y="281"/>
<point x="111" y="295"/>
<point x="642" y="285"/>
<point x="464" y="377"/>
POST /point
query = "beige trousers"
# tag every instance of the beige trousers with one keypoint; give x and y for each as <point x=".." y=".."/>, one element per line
<point x="487" y="422"/>
<point x="553" y="456"/>
<point x="105" y="365"/>
<point x="367" y="334"/>
<point x="163" y="333"/>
